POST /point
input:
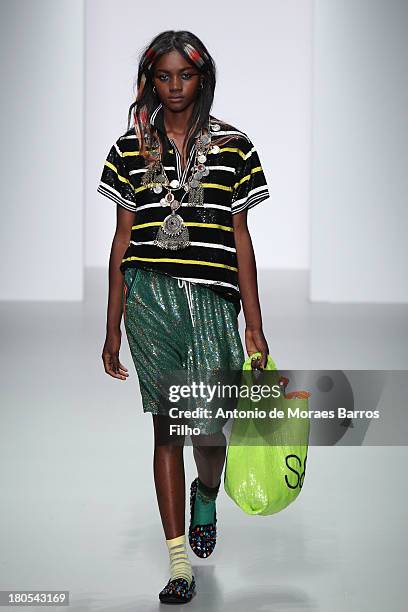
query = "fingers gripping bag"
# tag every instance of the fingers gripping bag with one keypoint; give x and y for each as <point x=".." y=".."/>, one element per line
<point x="266" y="457"/>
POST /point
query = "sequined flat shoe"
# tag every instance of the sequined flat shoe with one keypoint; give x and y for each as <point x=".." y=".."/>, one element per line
<point x="177" y="591"/>
<point x="202" y="538"/>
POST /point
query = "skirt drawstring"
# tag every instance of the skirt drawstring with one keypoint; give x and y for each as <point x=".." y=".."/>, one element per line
<point x="183" y="283"/>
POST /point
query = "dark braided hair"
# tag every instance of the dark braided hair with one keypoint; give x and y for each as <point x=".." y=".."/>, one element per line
<point x="195" y="52"/>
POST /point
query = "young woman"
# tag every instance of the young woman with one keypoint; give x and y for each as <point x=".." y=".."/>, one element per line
<point x="181" y="263"/>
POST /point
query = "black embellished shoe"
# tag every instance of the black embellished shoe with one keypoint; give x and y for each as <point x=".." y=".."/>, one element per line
<point x="177" y="591"/>
<point x="202" y="538"/>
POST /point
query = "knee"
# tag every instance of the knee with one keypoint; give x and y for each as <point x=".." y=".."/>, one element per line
<point x="168" y="452"/>
<point x="208" y="444"/>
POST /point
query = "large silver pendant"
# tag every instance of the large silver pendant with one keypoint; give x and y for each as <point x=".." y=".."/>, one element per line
<point x="172" y="234"/>
<point x="196" y="194"/>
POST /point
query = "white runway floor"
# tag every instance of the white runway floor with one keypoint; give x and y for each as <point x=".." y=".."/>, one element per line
<point x="78" y="503"/>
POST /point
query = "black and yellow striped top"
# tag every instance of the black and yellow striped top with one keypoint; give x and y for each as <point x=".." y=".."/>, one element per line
<point x="235" y="182"/>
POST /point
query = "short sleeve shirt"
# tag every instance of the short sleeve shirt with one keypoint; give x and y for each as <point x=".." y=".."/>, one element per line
<point x="235" y="182"/>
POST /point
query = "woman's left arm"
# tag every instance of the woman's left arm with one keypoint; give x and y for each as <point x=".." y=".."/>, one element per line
<point x="248" y="285"/>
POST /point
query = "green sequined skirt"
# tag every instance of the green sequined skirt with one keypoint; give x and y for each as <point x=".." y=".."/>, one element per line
<point x="172" y="325"/>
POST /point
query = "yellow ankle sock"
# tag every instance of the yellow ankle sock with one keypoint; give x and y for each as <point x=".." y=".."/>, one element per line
<point x="180" y="565"/>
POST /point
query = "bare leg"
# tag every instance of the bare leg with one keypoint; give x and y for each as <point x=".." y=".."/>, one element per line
<point x="209" y="454"/>
<point x="169" y="477"/>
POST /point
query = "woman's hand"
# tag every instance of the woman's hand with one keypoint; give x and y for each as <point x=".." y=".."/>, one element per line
<point x="256" y="343"/>
<point x="110" y="356"/>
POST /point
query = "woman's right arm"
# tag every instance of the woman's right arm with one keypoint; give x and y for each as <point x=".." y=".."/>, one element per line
<point x="110" y="353"/>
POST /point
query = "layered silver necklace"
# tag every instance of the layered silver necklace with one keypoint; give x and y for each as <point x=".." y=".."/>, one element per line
<point x="173" y="234"/>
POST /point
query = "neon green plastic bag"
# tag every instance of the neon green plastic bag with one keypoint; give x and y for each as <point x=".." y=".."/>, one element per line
<point x="266" y="458"/>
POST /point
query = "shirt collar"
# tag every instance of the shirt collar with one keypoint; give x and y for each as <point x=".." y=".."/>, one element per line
<point x="157" y="118"/>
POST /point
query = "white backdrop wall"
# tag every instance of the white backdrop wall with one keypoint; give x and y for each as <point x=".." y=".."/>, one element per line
<point x="263" y="54"/>
<point x="354" y="136"/>
<point x="360" y="154"/>
<point x="41" y="158"/>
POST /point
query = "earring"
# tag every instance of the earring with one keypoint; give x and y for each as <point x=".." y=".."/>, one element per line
<point x="202" y="84"/>
<point x="154" y="89"/>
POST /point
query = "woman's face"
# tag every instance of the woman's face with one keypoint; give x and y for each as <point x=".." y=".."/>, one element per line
<point x="177" y="82"/>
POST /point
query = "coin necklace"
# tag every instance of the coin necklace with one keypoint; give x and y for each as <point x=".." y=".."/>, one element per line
<point x="173" y="234"/>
